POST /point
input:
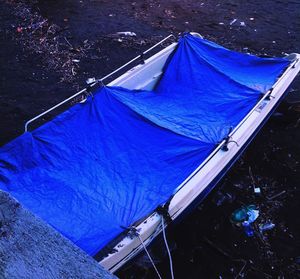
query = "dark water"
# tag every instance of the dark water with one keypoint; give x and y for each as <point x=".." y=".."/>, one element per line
<point x="205" y="244"/>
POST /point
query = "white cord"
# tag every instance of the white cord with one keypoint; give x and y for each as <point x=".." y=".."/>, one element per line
<point x="142" y="242"/>
<point x="167" y="246"/>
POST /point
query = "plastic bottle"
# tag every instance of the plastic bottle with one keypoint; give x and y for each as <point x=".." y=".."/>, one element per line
<point x="248" y="228"/>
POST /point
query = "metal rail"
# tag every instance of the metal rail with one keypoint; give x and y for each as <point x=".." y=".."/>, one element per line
<point x="134" y="59"/>
<point x="95" y="82"/>
<point x="52" y="108"/>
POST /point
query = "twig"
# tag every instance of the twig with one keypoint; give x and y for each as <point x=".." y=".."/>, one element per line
<point x="258" y="270"/>
<point x="242" y="269"/>
<point x="217" y="248"/>
<point x="73" y="71"/>
<point x="276" y="195"/>
<point x="227" y="256"/>
<point x="251" y="176"/>
<point x="68" y="42"/>
<point x="39" y="25"/>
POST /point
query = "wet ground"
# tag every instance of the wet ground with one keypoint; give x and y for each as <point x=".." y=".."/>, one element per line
<point x="49" y="48"/>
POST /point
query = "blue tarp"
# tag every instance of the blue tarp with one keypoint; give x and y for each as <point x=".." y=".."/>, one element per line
<point x="102" y="165"/>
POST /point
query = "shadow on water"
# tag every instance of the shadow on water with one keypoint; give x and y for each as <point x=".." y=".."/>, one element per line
<point x="206" y="244"/>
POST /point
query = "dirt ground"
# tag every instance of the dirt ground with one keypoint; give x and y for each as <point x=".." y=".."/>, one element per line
<point x="49" y="48"/>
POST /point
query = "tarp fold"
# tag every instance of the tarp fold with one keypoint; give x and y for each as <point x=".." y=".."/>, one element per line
<point x="102" y="165"/>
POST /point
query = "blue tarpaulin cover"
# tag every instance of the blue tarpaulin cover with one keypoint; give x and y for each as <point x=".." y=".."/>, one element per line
<point x="102" y="165"/>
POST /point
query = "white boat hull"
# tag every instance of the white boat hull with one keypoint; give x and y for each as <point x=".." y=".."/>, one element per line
<point x="199" y="183"/>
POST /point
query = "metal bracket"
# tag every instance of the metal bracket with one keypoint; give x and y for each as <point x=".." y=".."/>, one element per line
<point x="269" y="95"/>
<point x="227" y="140"/>
<point x="164" y="212"/>
<point x="225" y="145"/>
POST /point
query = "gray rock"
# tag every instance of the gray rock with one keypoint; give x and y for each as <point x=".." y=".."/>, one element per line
<point x="29" y="248"/>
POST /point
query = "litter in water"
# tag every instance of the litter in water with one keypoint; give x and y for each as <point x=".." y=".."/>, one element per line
<point x="127" y="33"/>
<point x="257" y="190"/>
<point x="246" y="213"/>
<point x="266" y="227"/>
<point x="233" y="21"/>
<point x="253" y="215"/>
<point x="276" y="195"/>
<point x="248" y="228"/>
<point x="90" y="80"/>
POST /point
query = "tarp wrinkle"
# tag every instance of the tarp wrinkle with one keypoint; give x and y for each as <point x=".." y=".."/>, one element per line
<point x="102" y="165"/>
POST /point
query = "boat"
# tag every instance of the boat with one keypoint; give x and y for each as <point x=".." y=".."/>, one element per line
<point x="114" y="170"/>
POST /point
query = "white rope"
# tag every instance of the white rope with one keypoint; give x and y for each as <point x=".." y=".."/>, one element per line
<point x="167" y="246"/>
<point x="142" y="242"/>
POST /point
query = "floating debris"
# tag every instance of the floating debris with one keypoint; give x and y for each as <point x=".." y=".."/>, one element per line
<point x="257" y="190"/>
<point x="244" y="217"/>
<point x="248" y="228"/>
<point x="252" y="214"/>
<point x="246" y="213"/>
<point x="266" y="227"/>
<point x="233" y="21"/>
<point x="90" y="80"/>
<point x="127" y="33"/>
<point x="276" y="195"/>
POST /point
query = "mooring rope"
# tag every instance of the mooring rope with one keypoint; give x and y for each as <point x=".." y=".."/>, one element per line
<point x="167" y="246"/>
<point x="151" y="260"/>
